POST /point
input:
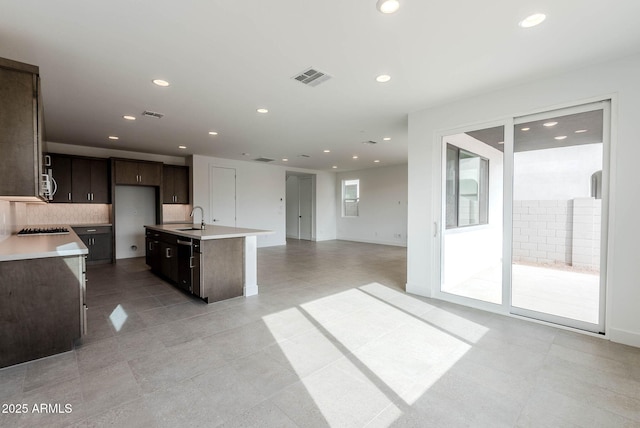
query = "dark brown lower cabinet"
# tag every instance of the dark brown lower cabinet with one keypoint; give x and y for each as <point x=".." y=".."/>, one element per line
<point x="98" y="240"/>
<point x="211" y="269"/>
<point x="42" y="308"/>
<point x="169" y="261"/>
<point x="153" y="253"/>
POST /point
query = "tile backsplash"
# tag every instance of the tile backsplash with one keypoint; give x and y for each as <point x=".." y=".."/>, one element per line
<point x="176" y="213"/>
<point x="15" y="215"/>
<point x="5" y="219"/>
<point x="67" y="214"/>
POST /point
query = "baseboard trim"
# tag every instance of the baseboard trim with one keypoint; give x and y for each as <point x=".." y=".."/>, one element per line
<point x="625" y="337"/>
<point x="250" y="290"/>
<point x="416" y="289"/>
<point x="371" y="241"/>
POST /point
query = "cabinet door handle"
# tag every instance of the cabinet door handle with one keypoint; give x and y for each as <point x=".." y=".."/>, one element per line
<point x="168" y="253"/>
<point x="88" y="196"/>
<point x="47" y="160"/>
<point x="91" y="230"/>
<point x="150" y="246"/>
<point x="69" y="195"/>
<point x="191" y="265"/>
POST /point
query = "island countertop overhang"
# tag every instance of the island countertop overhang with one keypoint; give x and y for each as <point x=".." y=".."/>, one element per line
<point x="210" y="232"/>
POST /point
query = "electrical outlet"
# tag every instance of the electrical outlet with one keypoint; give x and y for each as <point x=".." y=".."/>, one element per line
<point x="398" y="235"/>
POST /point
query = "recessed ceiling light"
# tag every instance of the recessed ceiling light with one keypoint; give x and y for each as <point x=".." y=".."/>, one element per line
<point x="532" y="20"/>
<point x="355" y="157"/>
<point x="334" y="167"/>
<point x="161" y="82"/>
<point x="383" y="78"/>
<point x="327" y="151"/>
<point x="182" y="147"/>
<point x="262" y="110"/>
<point x="560" y="137"/>
<point x="525" y="129"/>
<point x="388" y="6"/>
<point x="213" y="133"/>
<point x="285" y="160"/>
<point x="376" y="161"/>
<point x="548" y="124"/>
<point x="113" y="137"/>
<point x="580" y="131"/>
<point x="386" y="139"/>
<point x="127" y="117"/>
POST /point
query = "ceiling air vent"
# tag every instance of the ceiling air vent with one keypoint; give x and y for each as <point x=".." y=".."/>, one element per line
<point x="369" y="142"/>
<point x="304" y="156"/>
<point x="264" y="160"/>
<point x="311" y="77"/>
<point x="155" y="114"/>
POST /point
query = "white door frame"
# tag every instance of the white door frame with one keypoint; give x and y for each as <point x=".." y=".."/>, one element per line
<point x="304" y="176"/>
<point x="440" y="226"/>
<point x="235" y="193"/>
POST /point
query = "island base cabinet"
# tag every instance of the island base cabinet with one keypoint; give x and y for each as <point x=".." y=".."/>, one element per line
<point x="42" y="308"/>
<point x="221" y="269"/>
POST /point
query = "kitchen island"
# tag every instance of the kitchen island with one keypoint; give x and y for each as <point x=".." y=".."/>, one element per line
<point x="215" y="263"/>
<point x="42" y="295"/>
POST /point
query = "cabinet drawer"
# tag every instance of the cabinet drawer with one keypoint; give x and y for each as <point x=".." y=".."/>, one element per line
<point x="91" y="230"/>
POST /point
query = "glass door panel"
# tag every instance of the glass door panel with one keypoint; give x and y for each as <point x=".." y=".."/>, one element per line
<point x="473" y="212"/>
<point x="557" y="215"/>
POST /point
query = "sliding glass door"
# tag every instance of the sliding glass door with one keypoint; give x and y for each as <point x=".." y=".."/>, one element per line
<point x="523" y="209"/>
<point x="473" y="211"/>
<point x="559" y="199"/>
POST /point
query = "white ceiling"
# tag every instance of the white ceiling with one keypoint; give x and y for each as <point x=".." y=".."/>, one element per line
<point x="225" y="59"/>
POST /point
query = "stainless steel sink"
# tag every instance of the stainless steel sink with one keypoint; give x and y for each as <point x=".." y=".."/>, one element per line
<point x="189" y="228"/>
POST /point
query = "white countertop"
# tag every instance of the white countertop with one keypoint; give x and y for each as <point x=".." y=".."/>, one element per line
<point x="17" y="247"/>
<point x="211" y="231"/>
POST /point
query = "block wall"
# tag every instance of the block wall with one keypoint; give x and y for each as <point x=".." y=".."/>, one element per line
<point x="558" y="232"/>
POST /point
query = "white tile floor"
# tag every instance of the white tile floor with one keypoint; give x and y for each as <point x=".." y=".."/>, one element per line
<point x="561" y="292"/>
<point x="332" y="340"/>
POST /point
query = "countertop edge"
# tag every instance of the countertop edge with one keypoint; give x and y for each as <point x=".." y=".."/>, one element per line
<point x="13" y="247"/>
<point x="214" y="232"/>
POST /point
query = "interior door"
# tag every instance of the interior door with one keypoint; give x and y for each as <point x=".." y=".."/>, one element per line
<point x="306" y="207"/>
<point x="560" y="193"/>
<point x="223" y="196"/>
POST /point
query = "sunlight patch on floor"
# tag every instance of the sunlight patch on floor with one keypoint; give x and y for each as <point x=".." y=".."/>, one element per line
<point x="118" y="317"/>
<point x="394" y="346"/>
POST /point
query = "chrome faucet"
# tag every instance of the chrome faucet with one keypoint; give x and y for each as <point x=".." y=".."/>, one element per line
<point x="202" y="225"/>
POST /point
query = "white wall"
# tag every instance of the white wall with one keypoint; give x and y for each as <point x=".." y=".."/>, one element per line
<point x="260" y="197"/>
<point x="135" y="208"/>
<point x="618" y="79"/>
<point x="561" y="173"/>
<point x="382" y="207"/>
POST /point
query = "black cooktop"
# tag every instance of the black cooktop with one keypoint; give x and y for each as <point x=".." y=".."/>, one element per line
<point x="43" y="231"/>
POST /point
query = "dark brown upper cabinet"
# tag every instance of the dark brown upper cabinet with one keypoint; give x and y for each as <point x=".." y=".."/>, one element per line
<point x="175" y="184"/>
<point x="139" y="173"/>
<point x="21" y="131"/>
<point x="90" y="180"/>
<point x="60" y="166"/>
<point x="80" y="179"/>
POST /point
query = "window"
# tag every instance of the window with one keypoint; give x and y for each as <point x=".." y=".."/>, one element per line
<point x="467" y="188"/>
<point x="350" y="198"/>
